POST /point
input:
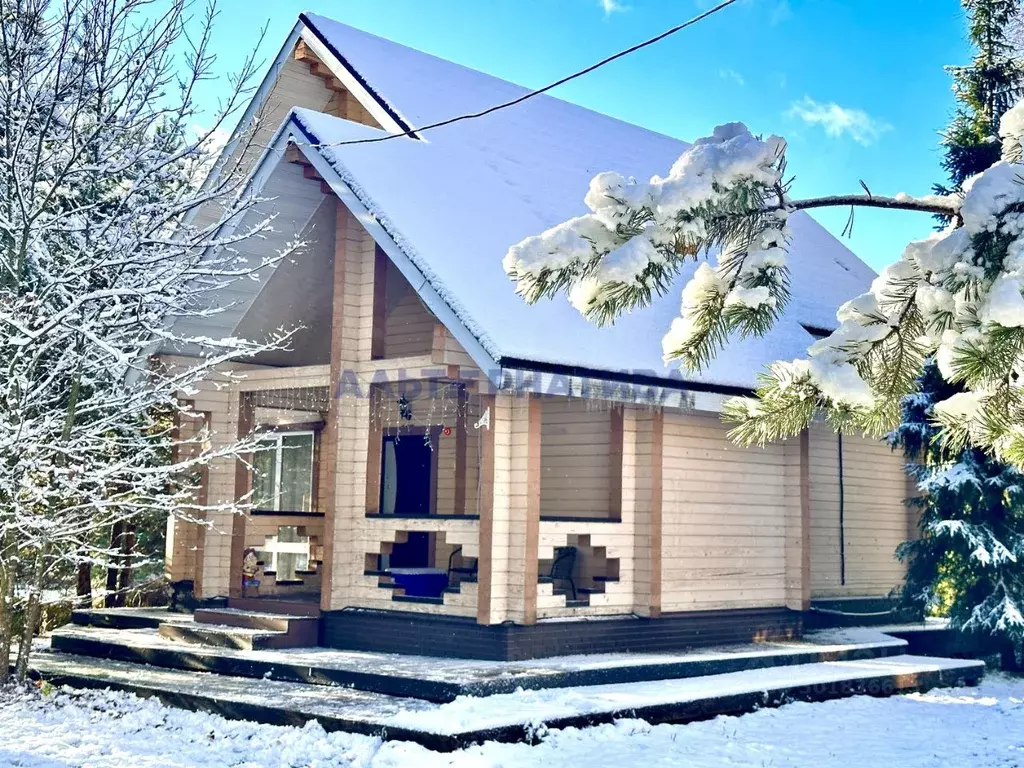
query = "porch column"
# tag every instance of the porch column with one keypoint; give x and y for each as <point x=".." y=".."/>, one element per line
<point x="348" y="422"/>
<point x="647" y="538"/>
<point x="243" y="481"/>
<point x="798" y="522"/>
<point x="488" y="554"/>
<point x="514" y="527"/>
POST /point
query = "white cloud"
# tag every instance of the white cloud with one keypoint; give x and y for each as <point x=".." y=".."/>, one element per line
<point x="731" y="74"/>
<point x="611" y="6"/>
<point x="838" y="121"/>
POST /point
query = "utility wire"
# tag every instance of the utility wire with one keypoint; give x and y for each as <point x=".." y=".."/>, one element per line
<point x="497" y="107"/>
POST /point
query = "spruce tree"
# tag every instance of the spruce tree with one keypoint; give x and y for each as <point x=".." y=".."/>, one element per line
<point x="985" y="89"/>
<point x="967" y="562"/>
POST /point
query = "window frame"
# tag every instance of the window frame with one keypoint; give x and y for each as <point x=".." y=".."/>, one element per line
<point x="277" y="436"/>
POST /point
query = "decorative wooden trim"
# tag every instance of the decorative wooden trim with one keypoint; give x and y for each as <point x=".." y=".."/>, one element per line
<point x="374" y="452"/>
<point x="657" y="459"/>
<point x="378" y="334"/>
<point x="533" y="473"/>
<point x="485" y="564"/>
<point x="805" y="520"/>
<point x="461" y="447"/>
<point x="615" y="462"/>
<point x="243" y="480"/>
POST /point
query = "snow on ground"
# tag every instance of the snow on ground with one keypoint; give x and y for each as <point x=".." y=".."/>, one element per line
<point x="981" y="726"/>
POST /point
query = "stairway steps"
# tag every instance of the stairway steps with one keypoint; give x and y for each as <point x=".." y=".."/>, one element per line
<point x="274" y="605"/>
<point x="440" y="679"/>
<point x="225" y="636"/>
<point x="464" y="722"/>
<point x="232" y="617"/>
<point x="245" y="630"/>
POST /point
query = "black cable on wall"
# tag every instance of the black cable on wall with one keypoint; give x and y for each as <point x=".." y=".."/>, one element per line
<point x="842" y="522"/>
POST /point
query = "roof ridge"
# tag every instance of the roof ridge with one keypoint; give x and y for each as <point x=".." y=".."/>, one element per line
<point x="308" y="18"/>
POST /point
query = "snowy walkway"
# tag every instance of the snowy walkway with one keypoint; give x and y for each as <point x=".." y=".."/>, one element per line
<point x="981" y="726"/>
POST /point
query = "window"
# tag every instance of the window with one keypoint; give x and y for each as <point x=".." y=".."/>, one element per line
<point x="283" y="476"/>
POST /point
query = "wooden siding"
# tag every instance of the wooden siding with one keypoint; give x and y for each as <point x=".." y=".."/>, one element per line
<point x="723" y="519"/>
<point x="874" y="515"/>
<point x="408" y="324"/>
<point x="576" y="459"/>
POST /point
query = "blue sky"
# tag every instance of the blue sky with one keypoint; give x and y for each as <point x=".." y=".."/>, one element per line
<point x="856" y="86"/>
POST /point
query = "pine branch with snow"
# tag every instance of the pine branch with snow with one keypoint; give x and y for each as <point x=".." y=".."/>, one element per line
<point x="956" y="295"/>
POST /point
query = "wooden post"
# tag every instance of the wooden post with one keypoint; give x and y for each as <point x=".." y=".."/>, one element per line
<point x="485" y="564"/>
<point x="333" y="426"/>
<point x="203" y="500"/>
<point x="378" y="333"/>
<point x="657" y="455"/>
<point x="243" y="480"/>
<point x="805" y="520"/>
<point x="533" y="470"/>
<point x="615" y="464"/>
<point x="374" y="448"/>
<point x="461" y="447"/>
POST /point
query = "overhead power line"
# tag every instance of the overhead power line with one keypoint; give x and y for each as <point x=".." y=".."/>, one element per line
<point x="539" y="91"/>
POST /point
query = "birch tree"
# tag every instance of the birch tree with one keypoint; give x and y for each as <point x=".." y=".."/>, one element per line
<point x="108" y="241"/>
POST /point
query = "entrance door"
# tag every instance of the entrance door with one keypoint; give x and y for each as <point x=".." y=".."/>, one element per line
<point x="408" y="489"/>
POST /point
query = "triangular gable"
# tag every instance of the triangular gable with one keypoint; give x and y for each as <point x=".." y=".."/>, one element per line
<point x="445" y="209"/>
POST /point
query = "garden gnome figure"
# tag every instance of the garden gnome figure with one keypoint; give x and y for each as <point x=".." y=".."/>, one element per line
<point x="250" y="567"/>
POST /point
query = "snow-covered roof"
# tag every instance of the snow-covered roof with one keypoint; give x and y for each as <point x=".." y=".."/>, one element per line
<point x="455" y="199"/>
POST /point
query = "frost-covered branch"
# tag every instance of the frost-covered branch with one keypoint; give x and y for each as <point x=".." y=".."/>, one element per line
<point x="111" y="243"/>
<point x="945" y="205"/>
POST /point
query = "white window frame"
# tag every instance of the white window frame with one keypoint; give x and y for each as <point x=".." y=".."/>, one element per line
<point x="278" y="439"/>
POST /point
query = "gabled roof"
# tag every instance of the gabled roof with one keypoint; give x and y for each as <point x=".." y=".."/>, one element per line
<point x="456" y="198"/>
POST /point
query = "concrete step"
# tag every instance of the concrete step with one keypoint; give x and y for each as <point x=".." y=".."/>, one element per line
<point x="439" y="679"/>
<point x="512" y="716"/>
<point x="224" y="636"/>
<point x="233" y="617"/>
<point x="275" y="605"/>
<point x="277" y="622"/>
<point x="127" y="618"/>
